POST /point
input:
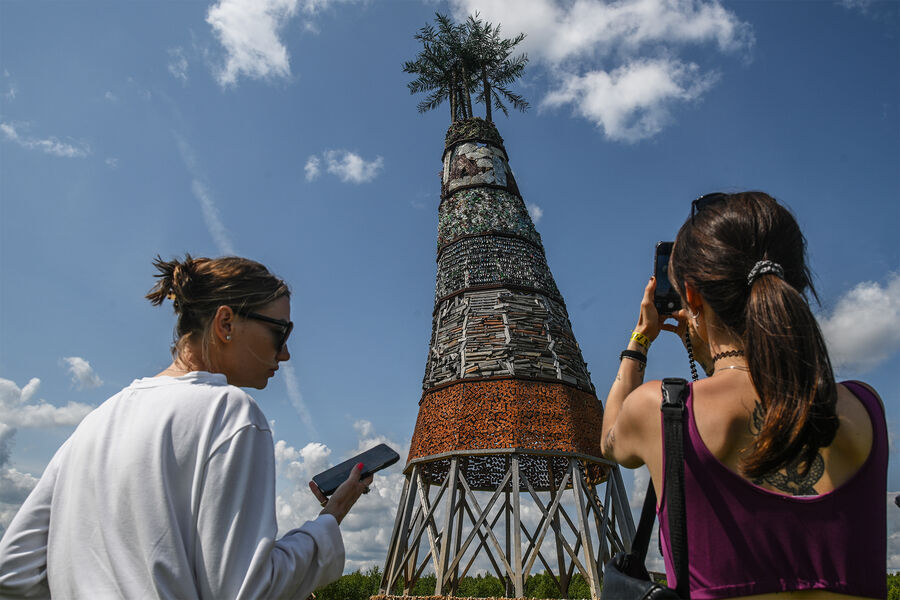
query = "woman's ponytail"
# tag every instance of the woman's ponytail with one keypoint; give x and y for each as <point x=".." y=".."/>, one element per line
<point x="746" y="256"/>
<point x="791" y="371"/>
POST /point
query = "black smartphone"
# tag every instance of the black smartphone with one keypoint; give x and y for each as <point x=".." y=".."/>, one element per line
<point x="373" y="459"/>
<point x="665" y="298"/>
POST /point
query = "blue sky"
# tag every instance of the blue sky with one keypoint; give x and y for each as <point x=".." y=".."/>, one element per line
<point x="283" y="130"/>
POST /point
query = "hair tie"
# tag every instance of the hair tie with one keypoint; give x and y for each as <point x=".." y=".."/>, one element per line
<point x="761" y="268"/>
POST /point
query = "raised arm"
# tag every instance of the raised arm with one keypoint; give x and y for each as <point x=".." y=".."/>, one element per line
<point x="631" y="413"/>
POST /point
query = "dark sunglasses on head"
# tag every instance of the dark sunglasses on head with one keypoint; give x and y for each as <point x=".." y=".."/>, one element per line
<point x="704" y="201"/>
<point x="284" y="327"/>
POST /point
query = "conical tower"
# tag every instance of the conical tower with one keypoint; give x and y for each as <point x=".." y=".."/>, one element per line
<point x="505" y="462"/>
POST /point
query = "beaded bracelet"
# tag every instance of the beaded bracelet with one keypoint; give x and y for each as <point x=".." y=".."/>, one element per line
<point x="641" y="339"/>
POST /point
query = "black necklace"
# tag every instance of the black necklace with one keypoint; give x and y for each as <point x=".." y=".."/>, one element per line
<point x="726" y="354"/>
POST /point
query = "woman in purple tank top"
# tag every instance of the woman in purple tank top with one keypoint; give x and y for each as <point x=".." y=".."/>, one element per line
<point x="785" y="469"/>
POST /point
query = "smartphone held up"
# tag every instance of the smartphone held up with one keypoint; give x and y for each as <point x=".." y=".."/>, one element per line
<point x="373" y="459"/>
<point x="665" y="298"/>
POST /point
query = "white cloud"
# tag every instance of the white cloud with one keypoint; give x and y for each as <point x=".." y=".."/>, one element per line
<point x="312" y="168"/>
<point x="536" y="212"/>
<point x="83" y="376"/>
<point x="893" y="533"/>
<point x="178" y="64"/>
<point x="112" y="162"/>
<point x="214" y="224"/>
<point x="110" y="97"/>
<point x="351" y="167"/>
<point x="868" y="311"/>
<point x="249" y="31"/>
<point x="632" y="102"/>
<point x="617" y="62"/>
<point x="368" y="526"/>
<point x="14" y="485"/>
<point x="18" y="410"/>
<point x="49" y="145"/>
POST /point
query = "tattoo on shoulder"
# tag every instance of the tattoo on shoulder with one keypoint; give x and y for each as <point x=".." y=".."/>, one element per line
<point x="791" y="479"/>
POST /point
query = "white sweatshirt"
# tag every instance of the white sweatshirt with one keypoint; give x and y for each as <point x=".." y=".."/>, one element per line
<point x="166" y="490"/>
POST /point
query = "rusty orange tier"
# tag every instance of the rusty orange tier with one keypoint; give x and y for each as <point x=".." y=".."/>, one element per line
<point x="507" y="413"/>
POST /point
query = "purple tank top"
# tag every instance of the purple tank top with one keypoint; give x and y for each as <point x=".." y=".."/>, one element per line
<point x="744" y="540"/>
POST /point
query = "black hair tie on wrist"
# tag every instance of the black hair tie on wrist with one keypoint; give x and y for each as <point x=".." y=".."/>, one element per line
<point x="634" y="355"/>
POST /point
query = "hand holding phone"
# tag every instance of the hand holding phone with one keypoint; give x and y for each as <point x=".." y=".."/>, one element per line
<point x="666" y="298"/>
<point x="373" y="460"/>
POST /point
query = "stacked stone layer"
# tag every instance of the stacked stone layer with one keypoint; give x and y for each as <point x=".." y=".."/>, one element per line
<point x="493" y="260"/>
<point x="504" y="370"/>
<point x="504" y="333"/>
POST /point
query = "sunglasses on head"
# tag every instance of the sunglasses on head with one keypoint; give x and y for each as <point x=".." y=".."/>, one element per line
<point x="284" y="327"/>
<point x="704" y="201"/>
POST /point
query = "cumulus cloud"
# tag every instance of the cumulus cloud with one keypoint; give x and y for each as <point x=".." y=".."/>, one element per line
<point x="348" y="166"/>
<point x="617" y="63"/>
<point x="870" y="310"/>
<point x="14" y="485"/>
<point x="250" y="32"/>
<point x="49" y="145"/>
<point x="368" y="527"/>
<point x="178" y="64"/>
<point x="536" y="212"/>
<point x="83" y="376"/>
<point x="632" y="102"/>
<point x="18" y="410"/>
<point x="312" y="168"/>
<point x="893" y="532"/>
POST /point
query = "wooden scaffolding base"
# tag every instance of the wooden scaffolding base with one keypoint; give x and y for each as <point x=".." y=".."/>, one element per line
<point x="464" y="522"/>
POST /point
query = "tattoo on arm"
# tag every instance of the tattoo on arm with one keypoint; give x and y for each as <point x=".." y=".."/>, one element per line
<point x="610" y="439"/>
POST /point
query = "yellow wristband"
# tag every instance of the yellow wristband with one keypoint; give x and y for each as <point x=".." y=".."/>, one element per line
<point x="641" y="339"/>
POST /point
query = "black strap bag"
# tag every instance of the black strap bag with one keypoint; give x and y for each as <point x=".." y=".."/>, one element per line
<point x="625" y="576"/>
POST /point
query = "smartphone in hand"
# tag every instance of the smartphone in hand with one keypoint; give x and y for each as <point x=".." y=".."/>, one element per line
<point x="373" y="459"/>
<point x="665" y="298"/>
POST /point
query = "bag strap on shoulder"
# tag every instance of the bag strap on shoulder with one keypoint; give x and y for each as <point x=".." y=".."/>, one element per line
<point x="674" y="392"/>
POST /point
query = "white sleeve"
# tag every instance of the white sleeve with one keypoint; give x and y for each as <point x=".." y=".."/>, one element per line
<point x="237" y="555"/>
<point x="23" y="549"/>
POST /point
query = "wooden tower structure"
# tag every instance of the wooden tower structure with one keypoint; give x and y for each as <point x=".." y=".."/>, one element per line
<point x="504" y="469"/>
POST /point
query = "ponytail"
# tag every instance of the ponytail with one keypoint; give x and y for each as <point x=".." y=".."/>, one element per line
<point x="792" y="375"/>
<point x="746" y="256"/>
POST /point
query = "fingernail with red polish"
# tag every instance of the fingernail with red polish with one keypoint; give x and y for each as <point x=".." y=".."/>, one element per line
<point x="359" y="466"/>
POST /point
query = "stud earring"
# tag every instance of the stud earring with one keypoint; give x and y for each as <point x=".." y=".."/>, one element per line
<point x="228" y="337"/>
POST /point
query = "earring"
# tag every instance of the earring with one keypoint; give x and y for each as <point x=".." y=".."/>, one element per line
<point x="228" y="337"/>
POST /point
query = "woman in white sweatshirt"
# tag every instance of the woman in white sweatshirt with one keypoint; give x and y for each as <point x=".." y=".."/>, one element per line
<point x="167" y="490"/>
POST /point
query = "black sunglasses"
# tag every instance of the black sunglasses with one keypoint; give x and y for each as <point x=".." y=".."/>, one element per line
<point x="284" y="327"/>
<point x="704" y="201"/>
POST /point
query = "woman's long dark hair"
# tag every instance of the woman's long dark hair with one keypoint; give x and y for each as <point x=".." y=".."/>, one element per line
<point x="789" y="365"/>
